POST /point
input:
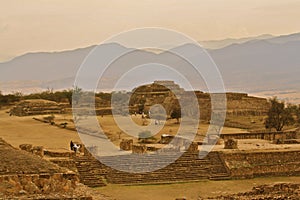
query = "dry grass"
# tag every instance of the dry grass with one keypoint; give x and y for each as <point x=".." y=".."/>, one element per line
<point x="189" y="190"/>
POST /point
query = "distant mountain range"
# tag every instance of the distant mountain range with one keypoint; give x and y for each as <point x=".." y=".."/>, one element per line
<point x="264" y="65"/>
<point x="218" y="44"/>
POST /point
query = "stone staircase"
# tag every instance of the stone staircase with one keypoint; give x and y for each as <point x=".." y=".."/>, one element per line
<point x="90" y="171"/>
<point x="88" y="168"/>
<point x="219" y="170"/>
<point x="187" y="168"/>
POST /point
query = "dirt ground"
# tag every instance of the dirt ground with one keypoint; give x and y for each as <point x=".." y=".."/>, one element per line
<point x="190" y="191"/>
<point x="25" y="130"/>
<point x="21" y="130"/>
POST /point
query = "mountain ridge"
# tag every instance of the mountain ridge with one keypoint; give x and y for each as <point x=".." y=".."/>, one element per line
<point x="252" y="66"/>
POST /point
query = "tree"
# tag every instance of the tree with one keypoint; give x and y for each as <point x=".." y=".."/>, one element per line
<point x="176" y="114"/>
<point x="279" y="115"/>
<point x="296" y="112"/>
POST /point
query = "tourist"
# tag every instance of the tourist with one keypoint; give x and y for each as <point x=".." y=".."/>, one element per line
<point x="76" y="148"/>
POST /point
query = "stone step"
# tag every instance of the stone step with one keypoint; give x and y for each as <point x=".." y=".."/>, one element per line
<point x="188" y="167"/>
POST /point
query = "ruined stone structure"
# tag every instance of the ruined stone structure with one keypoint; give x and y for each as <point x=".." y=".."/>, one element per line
<point x="193" y="148"/>
<point x="139" y="149"/>
<point x="189" y="167"/>
<point x="230" y="144"/>
<point x="36" y="150"/>
<point x="272" y="136"/>
<point x="36" y="107"/>
<point x="159" y="92"/>
<point x="126" y="144"/>
<point x="163" y="92"/>
<point x="24" y="174"/>
<point x="249" y="164"/>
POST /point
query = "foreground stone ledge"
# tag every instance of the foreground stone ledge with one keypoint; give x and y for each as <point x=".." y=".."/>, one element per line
<point x="38" y="183"/>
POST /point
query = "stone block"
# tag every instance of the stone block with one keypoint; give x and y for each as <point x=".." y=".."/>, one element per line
<point x="126" y="144"/>
<point x="38" y="150"/>
<point x="26" y="147"/>
<point x="231" y="144"/>
<point x="193" y="148"/>
<point x="139" y="149"/>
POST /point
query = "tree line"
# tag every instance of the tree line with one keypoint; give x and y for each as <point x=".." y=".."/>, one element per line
<point x="65" y="96"/>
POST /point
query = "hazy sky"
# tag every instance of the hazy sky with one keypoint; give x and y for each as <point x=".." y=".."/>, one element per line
<point x="55" y="25"/>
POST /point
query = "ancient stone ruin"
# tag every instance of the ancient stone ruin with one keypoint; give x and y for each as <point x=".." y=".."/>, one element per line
<point x="36" y="107"/>
<point x="27" y="176"/>
<point x="231" y="144"/>
<point x="163" y="92"/>
<point x="139" y="149"/>
<point x="36" y="150"/>
<point x="126" y="144"/>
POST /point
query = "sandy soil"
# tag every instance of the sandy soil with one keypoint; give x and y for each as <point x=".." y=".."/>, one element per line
<point x="25" y="130"/>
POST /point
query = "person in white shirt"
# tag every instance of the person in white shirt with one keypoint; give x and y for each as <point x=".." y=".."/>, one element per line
<point x="76" y="147"/>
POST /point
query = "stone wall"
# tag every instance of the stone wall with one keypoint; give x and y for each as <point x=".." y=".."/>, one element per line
<point x="25" y="173"/>
<point x="266" y="163"/>
<point x="36" y="150"/>
<point x="37" y="183"/>
<point x="36" y="107"/>
<point x="261" y="135"/>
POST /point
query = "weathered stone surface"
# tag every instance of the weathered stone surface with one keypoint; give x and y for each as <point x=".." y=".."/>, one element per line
<point x="38" y="150"/>
<point x="36" y="107"/>
<point x="230" y="144"/>
<point x="193" y="148"/>
<point x="23" y="173"/>
<point x="126" y="144"/>
<point x="26" y="147"/>
<point x="267" y="163"/>
<point x="139" y="149"/>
